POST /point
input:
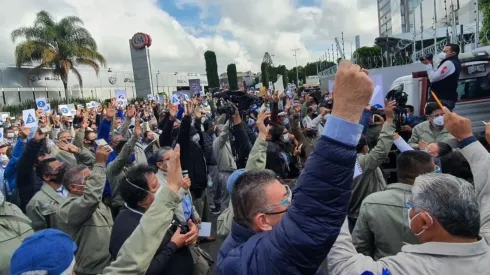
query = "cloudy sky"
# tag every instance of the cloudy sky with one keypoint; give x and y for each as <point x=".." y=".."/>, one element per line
<point x="239" y="31"/>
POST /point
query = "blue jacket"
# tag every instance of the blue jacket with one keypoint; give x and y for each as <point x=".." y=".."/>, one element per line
<point x="105" y="133"/>
<point x="303" y="238"/>
<point x="10" y="173"/>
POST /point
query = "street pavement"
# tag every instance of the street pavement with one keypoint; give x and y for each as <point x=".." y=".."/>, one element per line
<point x="213" y="248"/>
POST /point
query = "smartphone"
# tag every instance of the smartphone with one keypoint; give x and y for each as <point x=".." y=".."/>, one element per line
<point x="185" y="173"/>
<point x="102" y="142"/>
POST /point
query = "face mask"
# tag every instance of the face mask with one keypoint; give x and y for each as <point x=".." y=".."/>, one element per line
<point x="442" y="55"/>
<point x="285" y="137"/>
<point x="438" y="121"/>
<point x="410" y="222"/>
<point x="4" y="159"/>
<point x="16" y="133"/>
<point x="196" y="138"/>
<point x="58" y="178"/>
<point x="286" y="122"/>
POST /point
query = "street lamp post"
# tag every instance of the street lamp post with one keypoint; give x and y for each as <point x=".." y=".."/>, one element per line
<point x="158" y="88"/>
<point x="296" y="59"/>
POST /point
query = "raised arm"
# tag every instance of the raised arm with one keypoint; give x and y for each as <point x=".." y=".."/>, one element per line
<point x="479" y="160"/>
<point x="324" y="186"/>
<point x="80" y="210"/>
<point x="136" y="254"/>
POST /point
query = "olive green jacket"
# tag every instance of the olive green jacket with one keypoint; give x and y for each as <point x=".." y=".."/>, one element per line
<point x="424" y="132"/>
<point x="256" y="161"/>
<point x="116" y="170"/>
<point x="136" y="254"/>
<point x="371" y="180"/>
<point x="382" y="229"/>
<point x="89" y="223"/>
<point x="42" y="208"/>
<point x="14" y="228"/>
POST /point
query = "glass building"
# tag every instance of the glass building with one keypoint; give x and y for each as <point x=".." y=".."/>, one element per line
<point x="396" y="16"/>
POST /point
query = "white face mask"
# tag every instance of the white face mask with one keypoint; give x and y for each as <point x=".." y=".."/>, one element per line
<point x="442" y="55"/>
<point x="410" y="222"/>
<point x="438" y="121"/>
<point x="285" y="137"/>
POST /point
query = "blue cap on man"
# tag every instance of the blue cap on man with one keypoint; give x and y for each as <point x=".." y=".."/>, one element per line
<point x="233" y="178"/>
<point x="48" y="250"/>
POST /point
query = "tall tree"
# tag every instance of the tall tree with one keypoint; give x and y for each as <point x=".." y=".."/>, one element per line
<point x="59" y="45"/>
<point x="368" y="57"/>
<point x="264" y="67"/>
<point x="485" y="29"/>
<point x="284" y="72"/>
<point x="211" y="69"/>
<point x="232" y="77"/>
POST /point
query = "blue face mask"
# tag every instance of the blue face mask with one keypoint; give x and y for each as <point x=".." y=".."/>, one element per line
<point x="286" y="122"/>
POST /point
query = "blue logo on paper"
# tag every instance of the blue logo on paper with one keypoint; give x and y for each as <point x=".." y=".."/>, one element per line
<point x="64" y="110"/>
<point x="30" y="119"/>
<point x="41" y="104"/>
<point x="1" y="135"/>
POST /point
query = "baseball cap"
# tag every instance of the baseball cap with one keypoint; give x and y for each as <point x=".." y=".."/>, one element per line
<point x="233" y="178"/>
<point x="48" y="250"/>
<point x="282" y="114"/>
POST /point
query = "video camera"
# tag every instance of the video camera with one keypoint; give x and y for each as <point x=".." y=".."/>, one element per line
<point x="241" y="100"/>
<point x="401" y="102"/>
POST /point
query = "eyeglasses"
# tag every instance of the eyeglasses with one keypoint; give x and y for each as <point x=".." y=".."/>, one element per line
<point x="284" y="202"/>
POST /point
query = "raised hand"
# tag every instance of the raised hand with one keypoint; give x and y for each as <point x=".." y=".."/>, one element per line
<point x="353" y="89"/>
<point x="24" y="132"/>
<point x="102" y="154"/>
<point x="174" y="170"/>
<point x="186" y="183"/>
<point x="131" y="112"/>
<point x="458" y="126"/>
<point x="263" y="129"/>
<point x="137" y="127"/>
<point x="39" y="135"/>
<point x="390" y="110"/>
<point x="67" y="147"/>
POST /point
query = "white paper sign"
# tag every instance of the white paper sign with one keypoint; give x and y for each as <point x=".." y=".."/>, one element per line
<point x="41" y="103"/>
<point x="201" y="93"/>
<point x="378" y="98"/>
<point x="64" y="110"/>
<point x="150" y="97"/>
<point x="29" y="117"/>
<point x="47" y="108"/>
<point x="175" y="99"/>
<point x="71" y="109"/>
<point x="4" y="115"/>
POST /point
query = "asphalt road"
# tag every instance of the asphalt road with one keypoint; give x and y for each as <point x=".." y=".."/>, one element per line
<point x="213" y="248"/>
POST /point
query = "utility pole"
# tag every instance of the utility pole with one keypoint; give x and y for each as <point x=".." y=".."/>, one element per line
<point x="343" y="46"/>
<point x="296" y="59"/>
<point x="477" y="30"/>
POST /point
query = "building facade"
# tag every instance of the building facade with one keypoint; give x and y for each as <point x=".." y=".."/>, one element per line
<point x="396" y="16"/>
<point x="16" y="85"/>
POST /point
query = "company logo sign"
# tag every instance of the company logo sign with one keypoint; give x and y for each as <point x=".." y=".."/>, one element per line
<point x="112" y="79"/>
<point x="141" y="40"/>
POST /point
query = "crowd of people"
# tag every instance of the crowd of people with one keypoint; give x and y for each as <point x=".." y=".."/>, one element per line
<point x="295" y="182"/>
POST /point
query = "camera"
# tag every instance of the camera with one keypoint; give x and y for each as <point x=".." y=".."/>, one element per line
<point x="399" y="95"/>
<point x="428" y="57"/>
<point x="227" y="108"/>
<point x="184" y="227"/>
<point x="241" y="100"/>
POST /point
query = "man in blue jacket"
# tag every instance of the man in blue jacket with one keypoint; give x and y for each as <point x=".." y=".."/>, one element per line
<point x="277" y="232"/>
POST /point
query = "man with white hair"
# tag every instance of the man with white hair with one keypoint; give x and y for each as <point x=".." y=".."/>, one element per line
<point x="450" y="218"/>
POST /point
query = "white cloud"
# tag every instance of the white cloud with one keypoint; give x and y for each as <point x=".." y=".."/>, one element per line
<point x="247" y="29"/>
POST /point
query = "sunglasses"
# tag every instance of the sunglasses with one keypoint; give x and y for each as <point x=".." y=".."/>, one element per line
<point x="285" y="202"/>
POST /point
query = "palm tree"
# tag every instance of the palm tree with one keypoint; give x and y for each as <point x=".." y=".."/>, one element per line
<point x="58" y="45"/>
